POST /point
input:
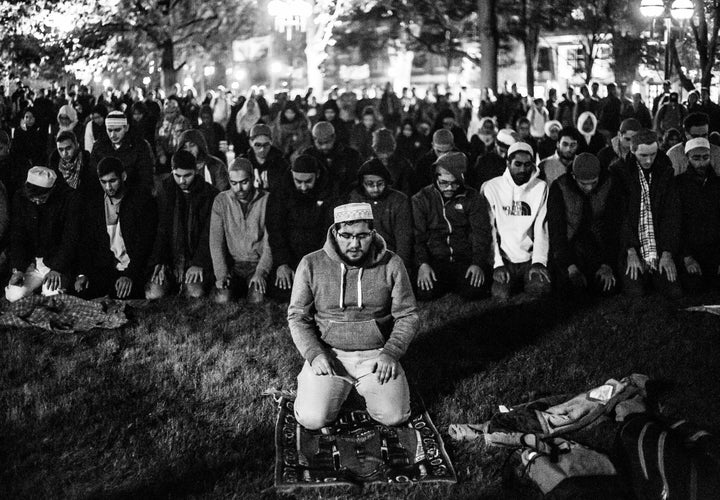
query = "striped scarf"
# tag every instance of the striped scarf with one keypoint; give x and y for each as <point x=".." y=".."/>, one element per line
<point x="71" y="171"/>
<point x="646" y="230"/>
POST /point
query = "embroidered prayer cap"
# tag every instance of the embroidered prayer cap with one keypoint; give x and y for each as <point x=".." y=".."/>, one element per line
<point x="323" y="131"/>
<point x="260" y="129"/>
<point x="305" y="164"/>
<point x="116" y="119"/>
<point x="41" y="177"/>
<point x="352" y="211"/>
<point x="506" y="137"/>
<point x="454" y="162"/>
<point x="696" y="143"/>
<point x="520" y="147"/>
<point x="586" y="167"/>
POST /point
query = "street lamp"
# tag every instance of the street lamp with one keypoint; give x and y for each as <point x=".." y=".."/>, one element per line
<point x="679" y="10"/>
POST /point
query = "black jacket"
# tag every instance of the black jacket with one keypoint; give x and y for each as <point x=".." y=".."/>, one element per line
<point x="177" y="243"/>
<point x="297" y="224"/>
<point x="89" y="183"/>
<point x="49" y="230"/>
<point x="700" y="209"/>
<point x="135" y="155"/>
<point x="663" y="199"/>
<point x="138" y="224"/>
<point x="342" y="164"/>
<point x="272" y="171"/>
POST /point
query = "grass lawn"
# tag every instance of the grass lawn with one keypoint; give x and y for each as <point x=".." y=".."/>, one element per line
<point x="171" y="405"/>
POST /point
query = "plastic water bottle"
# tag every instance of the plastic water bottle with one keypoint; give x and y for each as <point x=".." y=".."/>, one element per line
<point x="230" y="155"/>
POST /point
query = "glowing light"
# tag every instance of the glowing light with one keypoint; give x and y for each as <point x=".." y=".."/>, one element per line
<point x="107" y="83"/>
<point x="682" y="10"/>
<point x="241" y="74"/>
<point x="652" y="8"/>
<point x="188" y="82"/>
<point x="146" y="81"/>
<point x="290" y="15"/>
<point x="276" y="67"/>
<point x="209" y="70"/>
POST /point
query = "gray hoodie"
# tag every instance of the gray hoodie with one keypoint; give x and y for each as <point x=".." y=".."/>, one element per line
<point x="352" y="308"/>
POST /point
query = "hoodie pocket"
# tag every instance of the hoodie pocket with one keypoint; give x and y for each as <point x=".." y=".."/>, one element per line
<point x="353" y="335"/>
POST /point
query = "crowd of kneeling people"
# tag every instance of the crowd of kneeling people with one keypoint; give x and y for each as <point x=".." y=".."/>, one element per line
<point x="627" y="217"/>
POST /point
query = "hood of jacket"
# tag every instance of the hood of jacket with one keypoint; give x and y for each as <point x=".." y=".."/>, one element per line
<point x="377" y="254"/>
<point x="196" y="137"/>
<point x="582" y="119"/>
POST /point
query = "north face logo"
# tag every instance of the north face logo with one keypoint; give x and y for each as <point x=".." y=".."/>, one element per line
<point x="518" y="208"/>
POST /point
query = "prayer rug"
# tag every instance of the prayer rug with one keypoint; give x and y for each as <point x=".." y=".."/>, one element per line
<point x="62" y="313"/>
<point x="357" y="450"/>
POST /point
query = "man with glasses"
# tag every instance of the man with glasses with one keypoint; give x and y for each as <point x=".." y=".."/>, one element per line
<point x="697" y="126"/>
<point x="392" y="215"/>
<point x="342" y="163"/>
<point x="269" y="165"/>
<point x="561" y="162"/>
<point x="452" y="233"/>
<point x="352" y="316"/>
<point x="518" y="212"/>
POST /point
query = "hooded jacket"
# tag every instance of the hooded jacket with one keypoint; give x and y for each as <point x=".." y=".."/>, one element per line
<point x="342" y="164"/>
<point x="269" y="175"/>
<point x="208" y="165"/>
<point x="135" y="155"/>
<point x="519" y="219"/>
<point x="700" y="209"/>
<point x="353" y="308"/>
<point x="454" y="230"/>
<point x="594" y="142"/>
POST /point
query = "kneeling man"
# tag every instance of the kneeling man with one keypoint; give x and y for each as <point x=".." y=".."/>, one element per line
<point x="357" y="296"/>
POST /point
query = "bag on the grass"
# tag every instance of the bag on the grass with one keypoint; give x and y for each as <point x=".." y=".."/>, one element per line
<point x="670" y="461"/>
<point x="558" y="469"/>
<point x="558" y="415"/>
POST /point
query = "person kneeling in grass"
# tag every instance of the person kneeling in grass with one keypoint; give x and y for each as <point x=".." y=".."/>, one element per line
<point x="239" y="244"/>
<point x="181" y="255"/>
<point x="119" y="225"/>
<point x="352" y="316"/>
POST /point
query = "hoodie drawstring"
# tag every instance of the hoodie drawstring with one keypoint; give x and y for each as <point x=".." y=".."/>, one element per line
<point x="343" y="273"/>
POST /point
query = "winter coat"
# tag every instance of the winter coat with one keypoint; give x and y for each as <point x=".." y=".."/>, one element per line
<point x="700" y="214"/>
<point x="138" y="225"/>
<point x="353" y="308"/>
<point x="135" y="155"/>
<point x="342" y="164"/>
<point x="454" y="230"/>
<point x="49" y="230"/>
<point x="269" y="176"/>
<point x="392" y="219"/>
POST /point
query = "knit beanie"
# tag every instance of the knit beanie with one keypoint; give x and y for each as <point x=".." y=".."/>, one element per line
<point x="586" y="167"/>
<point x="454" y="162"/>
<point x="260" y="129"/>
<point x="305" y="164"/>
<point x="383" y="141"/>
<point x="443" y="137"/>
<point x="116" y="119"/>
<point x="374" y="167"/>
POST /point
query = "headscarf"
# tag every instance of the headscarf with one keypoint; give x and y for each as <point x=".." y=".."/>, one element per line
<point x="581" y="120"/>
<point x="248" y="116"/>
<point x="70" y="112"/>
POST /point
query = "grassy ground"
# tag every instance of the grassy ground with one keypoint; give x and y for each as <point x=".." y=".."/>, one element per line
<point x="171" y="405"/>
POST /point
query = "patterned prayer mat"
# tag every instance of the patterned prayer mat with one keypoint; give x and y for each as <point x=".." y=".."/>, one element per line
<point x="358" y="450"/>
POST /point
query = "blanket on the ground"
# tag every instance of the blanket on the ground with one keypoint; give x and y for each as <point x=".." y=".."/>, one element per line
<point x="63" y="313"/>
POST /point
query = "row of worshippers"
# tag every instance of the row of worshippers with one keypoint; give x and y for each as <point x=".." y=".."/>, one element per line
<point x="635" y="220"/>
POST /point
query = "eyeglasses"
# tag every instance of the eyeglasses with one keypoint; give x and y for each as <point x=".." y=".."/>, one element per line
<point x="374" y="185"/>
<point x="350" y="236"/>
<point x="444" y="184"/>
<point x="262" y="145"/>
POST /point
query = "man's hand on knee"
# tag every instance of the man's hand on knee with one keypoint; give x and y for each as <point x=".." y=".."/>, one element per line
<point x="323" y="365"/>
<point x="540" y="272"/>
<point x="426" y="277"/>
<point x="386" y="367"/>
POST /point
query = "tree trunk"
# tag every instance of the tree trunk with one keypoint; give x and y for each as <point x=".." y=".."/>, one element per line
<point x="315" y="56"/>
<point x="530" y="44"/>
<point x="167" y="65"/>
<point x="487" y="22"/>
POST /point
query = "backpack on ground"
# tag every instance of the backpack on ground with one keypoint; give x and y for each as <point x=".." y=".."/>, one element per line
<point x="559" y="469"/>
<point x="670" y="460"/>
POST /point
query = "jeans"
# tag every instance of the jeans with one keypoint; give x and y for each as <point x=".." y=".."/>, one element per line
<point x="319" y="397"/>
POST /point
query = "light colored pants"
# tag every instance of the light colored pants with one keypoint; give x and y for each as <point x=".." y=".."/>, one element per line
<point x="319" y="397"/>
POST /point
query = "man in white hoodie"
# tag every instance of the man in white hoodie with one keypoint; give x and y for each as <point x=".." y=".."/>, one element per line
<point x="518" y="209"/>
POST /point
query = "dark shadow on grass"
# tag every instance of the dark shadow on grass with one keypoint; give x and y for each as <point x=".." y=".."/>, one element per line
<point x="463" y="347"/>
